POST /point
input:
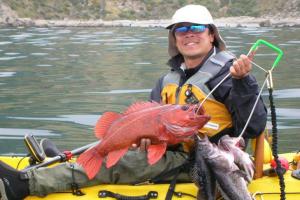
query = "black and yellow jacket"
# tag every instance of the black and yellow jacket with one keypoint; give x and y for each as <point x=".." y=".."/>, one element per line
<point x="230" y="104"/>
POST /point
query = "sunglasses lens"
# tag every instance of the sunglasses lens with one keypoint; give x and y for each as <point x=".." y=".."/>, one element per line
<point x="182" y="29"/>
<point x="193" y="28"/>
<point x="198" y="28"/>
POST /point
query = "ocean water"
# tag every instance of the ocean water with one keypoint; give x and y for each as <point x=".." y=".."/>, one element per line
<point x="56" y="82"/>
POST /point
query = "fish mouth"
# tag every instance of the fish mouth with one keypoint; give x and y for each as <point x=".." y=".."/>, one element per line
<point x="181" y="131"/>
<point x="198" y="110"/>
<point x="198" y="113"/>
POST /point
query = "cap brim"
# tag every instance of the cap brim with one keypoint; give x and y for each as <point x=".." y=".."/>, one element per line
<point x="169" y="26"/>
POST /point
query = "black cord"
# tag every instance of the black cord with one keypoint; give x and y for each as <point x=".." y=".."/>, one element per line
<point x="18" y="165"/>
<point x="279" y="170"/>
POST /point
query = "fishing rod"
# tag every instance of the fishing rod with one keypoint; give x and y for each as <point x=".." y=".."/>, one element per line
<point x="269" y="80"/>
<point x="62" y="157"/>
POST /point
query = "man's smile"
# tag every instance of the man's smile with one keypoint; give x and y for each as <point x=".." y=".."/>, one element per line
<point x="190" y="43"/>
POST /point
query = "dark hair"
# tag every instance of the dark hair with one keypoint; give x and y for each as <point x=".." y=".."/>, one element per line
<point x="211" y="31"/>
<point x="172" y="29"/>
<point x="175" y="61"/>
<point x="210" y="28"/>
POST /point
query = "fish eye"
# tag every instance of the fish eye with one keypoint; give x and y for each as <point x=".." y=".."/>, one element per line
<point x="185" y="107"/>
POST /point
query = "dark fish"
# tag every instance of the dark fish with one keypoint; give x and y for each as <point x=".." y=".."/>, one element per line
<point x="230" y="179"/>
<point x="241" y="158"/>
<point x="203" y="178"/>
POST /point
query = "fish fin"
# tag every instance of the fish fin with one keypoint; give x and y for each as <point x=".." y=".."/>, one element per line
<point x="104" y="123"/>
<point x="91" y="161"/>
<point x="155" y="152"/>
<point x="114" y="156"/>
<point x="140" y="106"/>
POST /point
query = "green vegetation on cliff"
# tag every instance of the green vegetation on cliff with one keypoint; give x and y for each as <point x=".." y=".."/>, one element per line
<point x="145" y="9"/>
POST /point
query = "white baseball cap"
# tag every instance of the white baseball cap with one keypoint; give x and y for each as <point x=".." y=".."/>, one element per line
<point x="195" y="14"/>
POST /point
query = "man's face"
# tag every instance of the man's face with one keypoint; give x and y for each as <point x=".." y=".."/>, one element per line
<point x="193" y="44"/>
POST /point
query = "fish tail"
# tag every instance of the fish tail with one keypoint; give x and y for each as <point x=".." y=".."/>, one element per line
<point x="91" y="161"/>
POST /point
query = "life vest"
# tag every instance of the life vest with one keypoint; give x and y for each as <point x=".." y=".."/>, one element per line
<point x="194" y="90"/>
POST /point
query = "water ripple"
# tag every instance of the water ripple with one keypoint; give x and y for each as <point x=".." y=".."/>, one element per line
<point x="73" y="55"/>
<point x="39" y="54"/>
<point x="122" y="91"/>
<point x="12" y="53"/>
<point x="285" y="93"/>
<point x="294" y="41"/>
<point x="143" y="63"/>
<point x="281" y="126"/>
<point x="63" y="31"/>
<point x="5" y="42"/>
<point x="21" y="36"/>
<point x="288" y="113"/>
<point x="12" y="133"/>
<point x="125" y="43"/>
<point x="12" y="57"/>
<point x="44" y="65"/>
<point x="7" y="74"/>
<point x="89" y="120"/>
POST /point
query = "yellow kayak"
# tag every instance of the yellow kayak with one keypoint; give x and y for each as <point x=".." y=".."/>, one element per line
<point x="266" y="188"/>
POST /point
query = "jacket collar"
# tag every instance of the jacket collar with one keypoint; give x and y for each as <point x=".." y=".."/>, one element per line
<point x="176" y="61"/>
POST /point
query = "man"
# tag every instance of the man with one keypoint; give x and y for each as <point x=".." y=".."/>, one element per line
<point x="198" y="63"/>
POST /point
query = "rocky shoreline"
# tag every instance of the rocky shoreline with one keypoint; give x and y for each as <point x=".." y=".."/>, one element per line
<point x="9" y="17"/>
<point x="243" y="21"/>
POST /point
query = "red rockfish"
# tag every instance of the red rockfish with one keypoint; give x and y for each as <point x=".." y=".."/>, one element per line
<point x="163" y="124"/>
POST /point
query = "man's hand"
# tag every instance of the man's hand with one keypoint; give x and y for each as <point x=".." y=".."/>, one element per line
<point x="144" y="143"/>
<point x="241" y="67"/>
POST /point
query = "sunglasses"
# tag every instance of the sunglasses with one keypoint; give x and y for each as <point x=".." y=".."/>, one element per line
<point x="192" y="28"/>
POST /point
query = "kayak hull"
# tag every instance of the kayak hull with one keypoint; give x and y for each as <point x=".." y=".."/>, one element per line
<point x="266" y="188"/>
